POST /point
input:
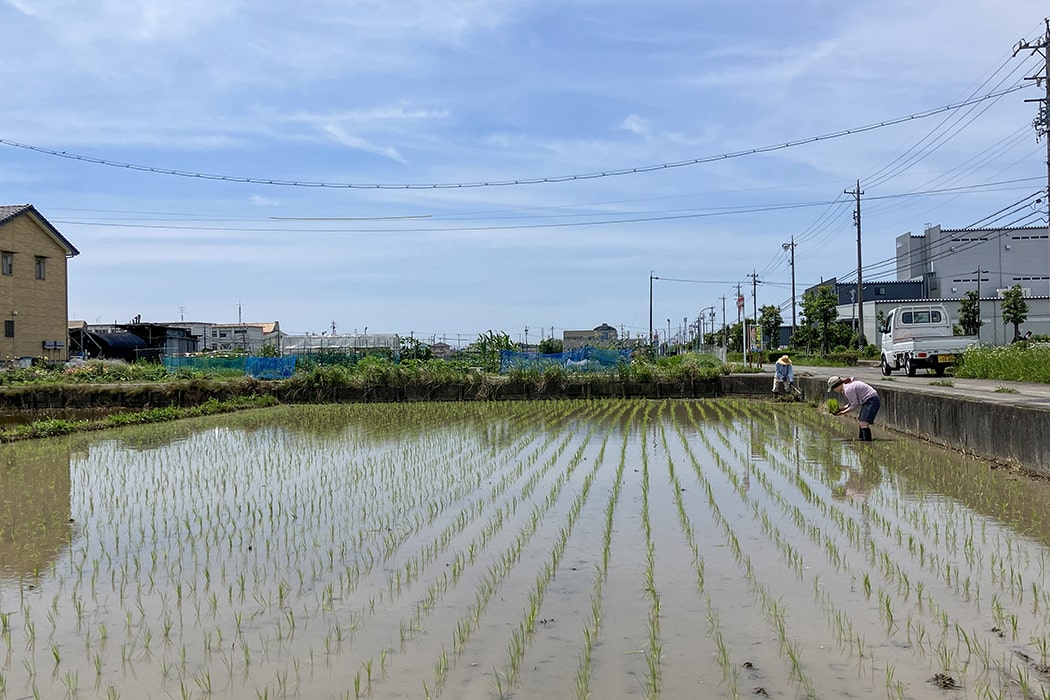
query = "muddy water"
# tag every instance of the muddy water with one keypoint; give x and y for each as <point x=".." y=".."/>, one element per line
<point x="535" y="550"/>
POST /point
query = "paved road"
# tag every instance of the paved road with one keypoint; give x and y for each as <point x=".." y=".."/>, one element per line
<point x="1028" y="394"/>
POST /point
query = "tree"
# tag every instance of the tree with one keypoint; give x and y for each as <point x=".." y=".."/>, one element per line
<point x="414" y="349"/>
<point x="1015" y="309"/>
<point x="970" y="313"/>
<point x="769" y="322"/>
<point x="551" y="346"/>
<point x="485" y="350"/>
<point x="818" y="311"/>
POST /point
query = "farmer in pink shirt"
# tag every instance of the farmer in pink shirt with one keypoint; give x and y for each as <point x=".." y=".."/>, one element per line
<point x="857" y="394"/>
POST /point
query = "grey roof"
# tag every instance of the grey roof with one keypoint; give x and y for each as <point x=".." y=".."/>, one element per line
<point x="118" y="339"/>
<point x="10" y="211"/>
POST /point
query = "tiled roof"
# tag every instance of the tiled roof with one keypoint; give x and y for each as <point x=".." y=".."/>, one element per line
<point x="10" y="211"/>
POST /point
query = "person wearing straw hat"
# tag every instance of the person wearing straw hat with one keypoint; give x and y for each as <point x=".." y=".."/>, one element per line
<point x="857" y="395"/>
<point x="783" y="375"/>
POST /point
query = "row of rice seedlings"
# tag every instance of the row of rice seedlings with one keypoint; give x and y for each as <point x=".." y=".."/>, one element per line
<point x="653" y="652"/>
<point x="503" y="511"/>
<point x="466" y="625"/>
<point x="428" y="599"/>
<point x="886" y="612"/>
<point x="522" y="635"/>
<point x="730" y="673"/>
<point x="827" y="604"/>
<point x="961" y="586"/>
<point x="788" y="551"/>
<point x="582" y="687"/>
<point x="772" y="611"/>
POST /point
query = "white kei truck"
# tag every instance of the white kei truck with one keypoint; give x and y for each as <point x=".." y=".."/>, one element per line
<point x="919" y="336"/>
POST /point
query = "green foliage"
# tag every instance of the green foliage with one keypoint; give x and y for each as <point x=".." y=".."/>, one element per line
<point x="484" y="351"/>
<point x="1015" y="308"/>
<point x="769" y="322"/>
<point x="268" y="350"/>
<point x="90" y="372"/>
<point x="970" y="313"/>
<point x="46" y="428"/>
<point x="551" y="346"/>
<point x="832" y="405"/>
<point x="819" y="313"/>
<point x="53" y="427"/>
<point x="415" y="349"/>
<point x="1023" y="362"/>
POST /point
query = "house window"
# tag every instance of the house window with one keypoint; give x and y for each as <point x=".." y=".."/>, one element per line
<point x="9" y="328"/>
<point x="7" y="263"/>
<point x="41" y="268"/>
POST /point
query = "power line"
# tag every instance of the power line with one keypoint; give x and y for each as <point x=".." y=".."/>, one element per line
<point x="942" y="248"/>
<point x="504" y="183"/>
<point x="750" y="209"/>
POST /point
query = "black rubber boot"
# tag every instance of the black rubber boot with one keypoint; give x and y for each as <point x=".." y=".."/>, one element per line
<point x="865" y="434"/>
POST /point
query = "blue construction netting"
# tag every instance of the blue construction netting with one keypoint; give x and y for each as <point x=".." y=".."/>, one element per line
<point x="586" y="359"/>
<point x="204" y="363"/>
<point x="270" y="367"/>
<point x="258" y="367"/>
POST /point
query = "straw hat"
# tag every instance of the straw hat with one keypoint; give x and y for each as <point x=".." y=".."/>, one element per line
<point x="784" y="360"/>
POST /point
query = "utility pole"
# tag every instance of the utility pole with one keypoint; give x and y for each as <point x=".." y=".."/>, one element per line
<point x="725" y="338"/>
<point x="791" y="246"/>
<point x="1042" y="121"/>
<point x="651" y="278"/>
<point x="739" y="311"/>
<point x="526" y="338"/>
<point x="857" y="192"/>
<point x="754" y="303"/>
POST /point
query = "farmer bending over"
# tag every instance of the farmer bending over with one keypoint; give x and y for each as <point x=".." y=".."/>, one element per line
<point x="857" y="393"/>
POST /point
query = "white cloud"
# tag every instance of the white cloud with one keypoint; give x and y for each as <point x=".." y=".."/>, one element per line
<point x="636" y="125"/>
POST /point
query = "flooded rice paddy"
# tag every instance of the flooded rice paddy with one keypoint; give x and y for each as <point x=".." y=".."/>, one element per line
<point x="613" y="549"/>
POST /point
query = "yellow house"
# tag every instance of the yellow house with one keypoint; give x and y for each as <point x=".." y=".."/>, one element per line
<point x="33" y="285"/>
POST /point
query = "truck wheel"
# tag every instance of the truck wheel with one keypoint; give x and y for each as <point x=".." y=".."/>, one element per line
<point x="939" y="370"/>
<point x="886" y="369"/>
<point x="909" y="367"/>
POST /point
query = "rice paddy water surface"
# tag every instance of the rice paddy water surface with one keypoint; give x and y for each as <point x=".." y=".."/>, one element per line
<point x="554" y="549"/>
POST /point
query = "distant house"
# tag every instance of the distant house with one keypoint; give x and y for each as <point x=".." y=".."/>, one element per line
<point x="249" y="337"/>
<point x="441" y="351"/>
<point x="602" y="336"/>
<point x="34" y="300"/>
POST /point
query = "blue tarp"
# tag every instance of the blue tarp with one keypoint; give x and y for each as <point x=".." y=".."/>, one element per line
<point x="586" y="359"/>
<point x="270" y="367"/>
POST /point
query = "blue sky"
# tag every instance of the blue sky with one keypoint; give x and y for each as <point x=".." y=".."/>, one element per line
<point x="445" y="92"/>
